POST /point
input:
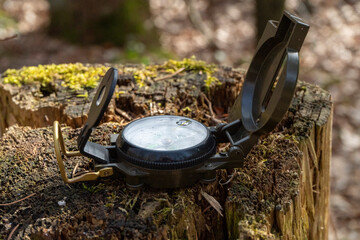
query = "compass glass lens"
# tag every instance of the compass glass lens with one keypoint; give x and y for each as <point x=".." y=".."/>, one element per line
<point x="167" y="133"/>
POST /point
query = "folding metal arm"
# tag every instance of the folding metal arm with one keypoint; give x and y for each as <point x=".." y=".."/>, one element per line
<point x="60" y="149"/>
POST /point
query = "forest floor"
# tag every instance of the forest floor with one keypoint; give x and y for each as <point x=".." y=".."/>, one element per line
<point x="329" y="58"/>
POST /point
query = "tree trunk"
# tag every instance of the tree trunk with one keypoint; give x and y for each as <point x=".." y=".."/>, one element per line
<point x="282" y="191"/>
<point x="111" y="21"/>
<point x="267" y="10"/>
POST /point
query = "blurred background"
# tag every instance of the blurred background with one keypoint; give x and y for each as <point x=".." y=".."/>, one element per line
<point x="220" y="31"/>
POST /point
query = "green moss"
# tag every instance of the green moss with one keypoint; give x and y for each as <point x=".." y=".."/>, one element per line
<point x="74" y="76"/>
<point x="292" y="138"/>
<point x="111" y="199"/>
<point x="172" y="66"/>
<point x="193" y="65"/>
<point x="118" y="93"/>
<point x="186" y="109"/>
<point x="93" y="188"/>
<point x="143" y="75"/>
<point x="189" y="64"/>
<point x="78" y="77"/>
<point x="164" y="212"/>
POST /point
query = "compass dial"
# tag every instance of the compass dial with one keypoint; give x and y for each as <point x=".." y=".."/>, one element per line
<point x="165" y="133"/>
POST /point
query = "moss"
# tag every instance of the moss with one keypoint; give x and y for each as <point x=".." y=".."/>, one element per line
<point x="172" y="66"/>
<point x="254" y="229"/>
<point x="93" y="188"/>
<point x="141" y="76"/>
<point x="118" y="93"/>
<point x="269" y="178"/>
<point x="182" y="215"/>
<point x="193" y="65"/>
<point x="111" y="199"/>
<point x="74" y="76"/>
<point x="78" y="77"/>
<point x="189" y="64"/>
<point x="292" y="137"/>
<point x="186" y="109"/>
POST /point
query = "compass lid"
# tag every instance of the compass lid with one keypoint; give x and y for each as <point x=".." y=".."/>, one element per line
<point x="99" y="104"/>
<point x="271" y="79"/>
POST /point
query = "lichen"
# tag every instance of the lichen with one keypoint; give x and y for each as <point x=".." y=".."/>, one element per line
<point x="74" y="76"/>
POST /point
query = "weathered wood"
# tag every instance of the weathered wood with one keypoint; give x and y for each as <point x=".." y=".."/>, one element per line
<point x="305" y="214"/>
<point x="282" y="191"/>
<point x="20" y="105"/>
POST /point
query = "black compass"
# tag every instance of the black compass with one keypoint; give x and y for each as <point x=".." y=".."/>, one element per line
<point x="174" y="151"/>
<point x="166" y="142"/>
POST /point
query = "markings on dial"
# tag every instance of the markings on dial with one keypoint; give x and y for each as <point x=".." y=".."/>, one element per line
<point x="183" y="122"/>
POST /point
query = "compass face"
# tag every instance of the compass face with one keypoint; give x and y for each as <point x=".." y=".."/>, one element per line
<point x="165" y="133"/>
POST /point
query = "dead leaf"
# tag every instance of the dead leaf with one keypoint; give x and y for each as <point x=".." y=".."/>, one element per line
<point x="213" y="202"/>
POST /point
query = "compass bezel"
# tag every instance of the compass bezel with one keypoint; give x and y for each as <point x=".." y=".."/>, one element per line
<point x="165" y="159"/>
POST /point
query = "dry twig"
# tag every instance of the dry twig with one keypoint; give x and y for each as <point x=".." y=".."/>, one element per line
<point x="22" y="199"/>
<point x="213" y="117"/>
<point x="123" y="114"/>
<point x="170" y="75"/>
<point x="228" y="181"/>
<point x="75" y="168"/>
<point x="12" y="231"/>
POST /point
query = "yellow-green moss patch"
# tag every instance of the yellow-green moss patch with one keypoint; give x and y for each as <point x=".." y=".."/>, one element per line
<point x="173" y="66"/>
<point x="74" y="76"/>
<point x="77" y="77"/>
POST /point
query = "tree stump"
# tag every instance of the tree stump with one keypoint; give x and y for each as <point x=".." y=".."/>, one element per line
<point x="282" y="191"/>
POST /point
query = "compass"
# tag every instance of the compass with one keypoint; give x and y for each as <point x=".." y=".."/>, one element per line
<point x="166" y="142"/>
<point x="175" y="151"/>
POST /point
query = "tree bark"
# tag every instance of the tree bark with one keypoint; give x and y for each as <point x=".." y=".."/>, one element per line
<point x="281" y="193"/>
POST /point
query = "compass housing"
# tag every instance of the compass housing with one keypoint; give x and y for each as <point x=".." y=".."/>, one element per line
<point x="165" y="142"/>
